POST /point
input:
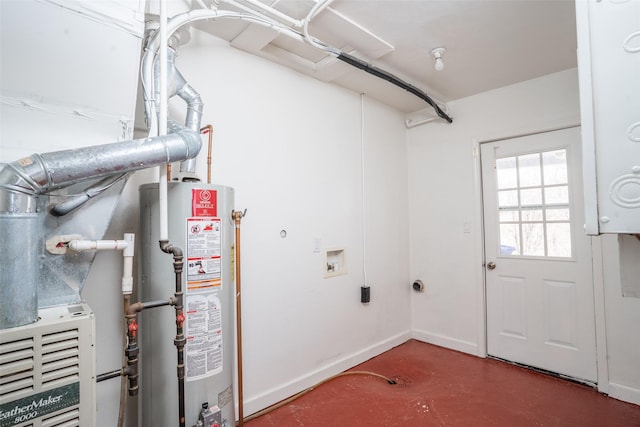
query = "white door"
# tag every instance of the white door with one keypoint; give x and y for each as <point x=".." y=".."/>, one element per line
<point x="539" y="284"/>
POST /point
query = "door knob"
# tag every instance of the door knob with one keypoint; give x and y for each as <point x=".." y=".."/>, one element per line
<point x="491" y="265"/>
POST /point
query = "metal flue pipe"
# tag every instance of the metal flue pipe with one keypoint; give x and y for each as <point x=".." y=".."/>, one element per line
<point x="22" y="181"/>
<point x="178" y="86"/>
<point x="41" y="173"/>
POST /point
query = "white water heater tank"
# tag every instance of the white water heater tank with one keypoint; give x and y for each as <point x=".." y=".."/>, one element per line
<point x="200" y="224"/>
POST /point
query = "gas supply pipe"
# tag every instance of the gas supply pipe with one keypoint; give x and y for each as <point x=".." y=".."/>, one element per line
<point x="237" y="219"/>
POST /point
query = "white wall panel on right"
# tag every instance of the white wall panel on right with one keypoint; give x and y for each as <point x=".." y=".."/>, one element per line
<point x="609" y="66"/>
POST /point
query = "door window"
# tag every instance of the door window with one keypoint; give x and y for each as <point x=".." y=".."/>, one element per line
<point x="533" y="205"/>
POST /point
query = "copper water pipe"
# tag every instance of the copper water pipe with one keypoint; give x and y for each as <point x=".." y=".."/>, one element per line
<point x="208" y="129"/>
<point x="237" y="217"/>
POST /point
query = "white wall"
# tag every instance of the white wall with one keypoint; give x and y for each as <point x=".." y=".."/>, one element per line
<point x="291" y="148"/>
<point x="46" y="84"/>
<point x="444" y="202"/>
<point x="622" y="317"/>
<point x="443" y="199"/>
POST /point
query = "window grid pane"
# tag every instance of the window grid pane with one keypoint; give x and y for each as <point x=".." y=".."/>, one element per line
<point x="533" y="204"/>
<point x="507" y="173"/>
<point x="529" y="172"/>
<point x="555" y="167"/>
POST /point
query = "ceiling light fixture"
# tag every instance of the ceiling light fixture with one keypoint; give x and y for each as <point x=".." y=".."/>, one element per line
<point x="437" y="54"/>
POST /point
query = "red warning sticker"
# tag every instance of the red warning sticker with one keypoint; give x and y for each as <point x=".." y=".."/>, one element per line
<point x="204" y="202"/>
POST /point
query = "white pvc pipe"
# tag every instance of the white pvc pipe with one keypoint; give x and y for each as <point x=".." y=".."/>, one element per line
<point x="127" y="246"/>
<point x="275" y="13"/>
<point x="319" y="7"/>
<point x="363" y="189"/>
<point x="127" y="269"/>
<point x="247" y="9"/>
<point x="361" y="28"/>
<point x="199" y="14"/>
<point x="97" y="245"/>
<point x="162" y="125"/>
<point x="411" y="123"/>
<point x="305" y="25"/>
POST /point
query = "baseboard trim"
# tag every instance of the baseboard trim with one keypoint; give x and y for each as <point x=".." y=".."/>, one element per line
<point x="296" y="385"/>
<point x="624" y="393"/>
<point x="447" y="342"/>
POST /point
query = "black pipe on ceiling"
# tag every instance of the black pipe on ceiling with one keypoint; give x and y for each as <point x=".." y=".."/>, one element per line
<point x="373" y="70"/>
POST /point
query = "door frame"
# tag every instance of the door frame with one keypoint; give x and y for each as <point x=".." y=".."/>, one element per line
<point x="480" y="278"/>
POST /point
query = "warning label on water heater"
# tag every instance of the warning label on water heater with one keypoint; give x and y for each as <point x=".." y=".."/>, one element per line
<point x="203" y="352"/>
<point x="203" y="254"/>
<point x="204" y="202"/>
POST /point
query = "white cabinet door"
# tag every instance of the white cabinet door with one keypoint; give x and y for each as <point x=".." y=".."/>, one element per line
<point x="609" y="72"/>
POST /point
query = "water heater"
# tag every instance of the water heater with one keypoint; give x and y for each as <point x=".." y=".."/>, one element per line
<point x="200" y="223"/>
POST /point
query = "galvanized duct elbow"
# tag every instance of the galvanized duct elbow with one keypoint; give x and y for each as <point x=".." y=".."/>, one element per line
<point x="190" y="96"/>
<point x="194" y="106"/>
<point x="193" y="119"/>
<point x="179" y="86"/>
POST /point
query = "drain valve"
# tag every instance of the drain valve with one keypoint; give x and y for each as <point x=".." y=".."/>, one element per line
<point x="418" y="286"/>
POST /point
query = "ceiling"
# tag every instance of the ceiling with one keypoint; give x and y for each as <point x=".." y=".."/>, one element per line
<point x="489" y="43"/>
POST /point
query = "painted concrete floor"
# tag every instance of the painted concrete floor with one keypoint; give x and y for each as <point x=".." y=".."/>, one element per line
<point x="440" y="387"/>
